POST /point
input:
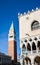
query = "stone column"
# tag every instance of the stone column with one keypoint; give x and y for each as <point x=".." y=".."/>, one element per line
<point x="36" y="48"/>
<point x="31" y="48"/>
<point x="32" y="61"/>
<point x="26" y="48"/>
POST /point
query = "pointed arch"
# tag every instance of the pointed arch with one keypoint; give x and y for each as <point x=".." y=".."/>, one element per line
<point x="33" y="46"/>
<point x="28" y="47"/>
<point x="37" y="60"/>
<point x="23" y="46"/>
<point x="27" y="59"/>
<point x="38" y="45"/>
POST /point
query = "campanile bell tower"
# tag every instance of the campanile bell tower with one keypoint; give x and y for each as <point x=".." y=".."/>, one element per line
<point x="12" y="46"/>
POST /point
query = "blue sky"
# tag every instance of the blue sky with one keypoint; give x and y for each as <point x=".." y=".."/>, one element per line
<point x="9" y="11"/>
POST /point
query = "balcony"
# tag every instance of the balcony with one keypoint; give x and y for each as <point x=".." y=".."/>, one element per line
<point x="30" y="52"/>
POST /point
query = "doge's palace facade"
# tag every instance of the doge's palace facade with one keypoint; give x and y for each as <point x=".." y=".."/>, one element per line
<point x="29" y="33"/>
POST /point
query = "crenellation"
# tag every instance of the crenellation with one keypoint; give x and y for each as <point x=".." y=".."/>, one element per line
<point x="37" y="8"/>
<point x="32" y="10"/>
<point x="19" y="14"/>
<point x="24" y="13"/>
<point x="28" y="12"/>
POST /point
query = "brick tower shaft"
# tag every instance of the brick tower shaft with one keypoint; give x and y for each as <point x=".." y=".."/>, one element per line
<point x="12" y="45"/>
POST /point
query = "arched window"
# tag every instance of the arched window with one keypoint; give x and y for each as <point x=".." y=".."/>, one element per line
<point x="23" y="47"/>
<point x="28" y="47"/>
<point x="37" y="60"/>
<point x="33" y="46"/>
<point x="35" y="25"/>
<point x="38" y="45"/>
<point x="28" y="61"/>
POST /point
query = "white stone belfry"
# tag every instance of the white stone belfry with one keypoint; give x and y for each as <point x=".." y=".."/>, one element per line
<point x="11" y="34"/>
